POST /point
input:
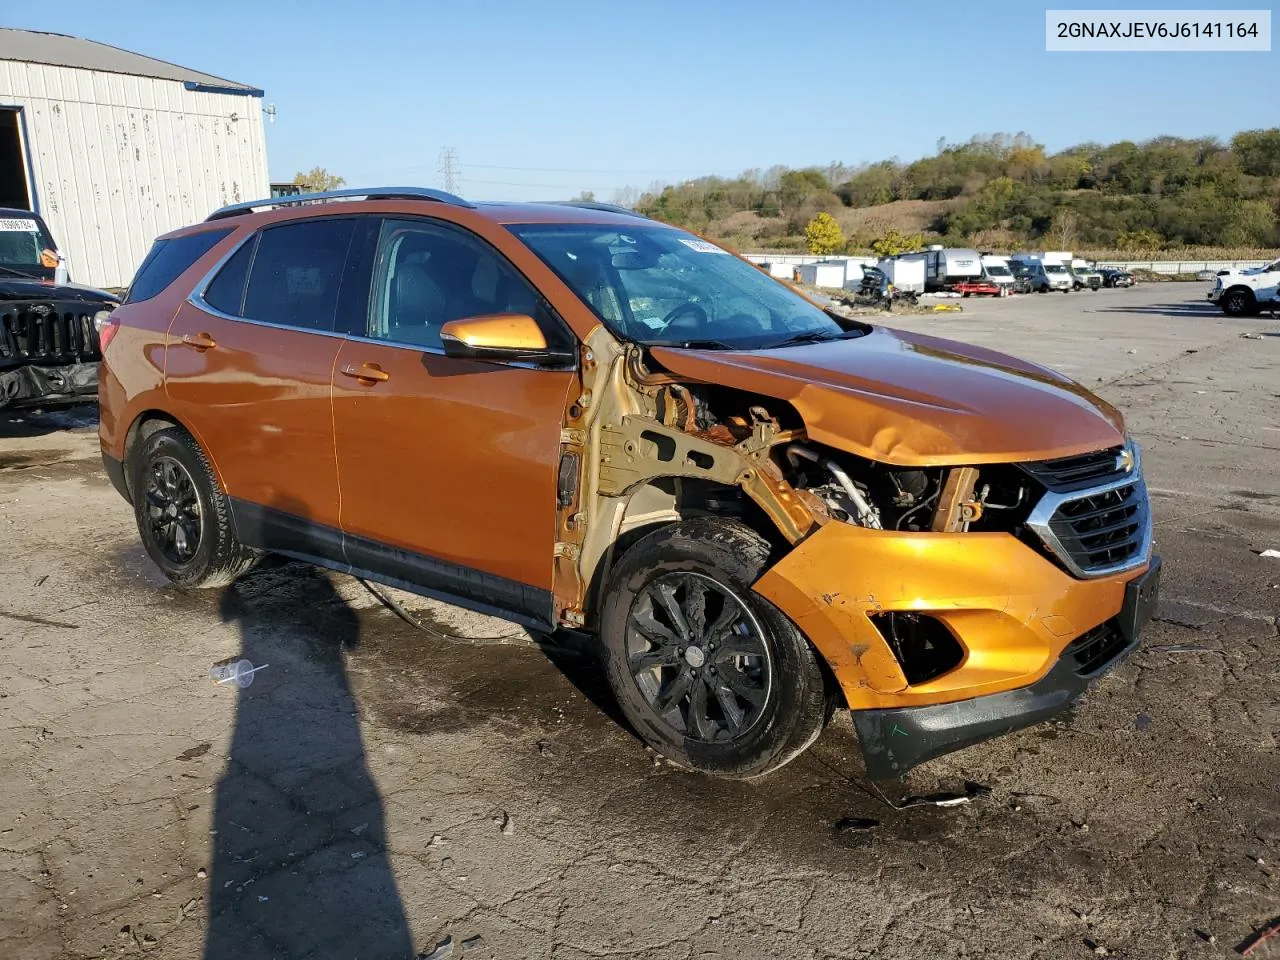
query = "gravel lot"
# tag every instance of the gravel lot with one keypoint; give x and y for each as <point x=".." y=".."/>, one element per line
<point x="378" y="790"/>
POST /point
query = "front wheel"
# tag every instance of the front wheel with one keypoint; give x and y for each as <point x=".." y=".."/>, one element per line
<point x="184" y="518"/>
<point x="1239" y="303"/>
<point x="709" y="673"/>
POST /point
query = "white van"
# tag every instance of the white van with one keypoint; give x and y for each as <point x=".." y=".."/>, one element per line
<point x="1045" y="274"/>
<point x="996" y="269"/>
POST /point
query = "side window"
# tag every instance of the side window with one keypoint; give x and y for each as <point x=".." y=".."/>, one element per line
<point x="167" y="260"/>
<point x="428" y="274"/>
<point x="296" y="272"/>
<point x="226" y="291"/>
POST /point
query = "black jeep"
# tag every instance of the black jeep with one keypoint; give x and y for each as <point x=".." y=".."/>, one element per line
<point x="48" y="338"/>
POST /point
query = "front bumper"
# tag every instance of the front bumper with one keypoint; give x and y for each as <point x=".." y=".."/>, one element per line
<point x="1013" y="612"/>
<point x="32" y="385"/>
<point x="895" y="740"/>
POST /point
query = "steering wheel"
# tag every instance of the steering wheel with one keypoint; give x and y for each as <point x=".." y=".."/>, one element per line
<point x="686" y="318"/>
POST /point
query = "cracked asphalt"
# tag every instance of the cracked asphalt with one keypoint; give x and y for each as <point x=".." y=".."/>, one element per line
<point x="379" y="790"/>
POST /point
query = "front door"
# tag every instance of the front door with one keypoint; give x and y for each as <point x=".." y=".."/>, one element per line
<point x="248" y="368"/>
<point x="448" y="467"/>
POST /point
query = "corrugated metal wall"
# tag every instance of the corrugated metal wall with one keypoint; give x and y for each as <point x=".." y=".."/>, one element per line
<point x="117" y="160"/>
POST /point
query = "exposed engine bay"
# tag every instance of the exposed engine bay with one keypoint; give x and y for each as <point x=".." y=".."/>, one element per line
<point x="852" y="489"/>
<point x="651" y="449"/>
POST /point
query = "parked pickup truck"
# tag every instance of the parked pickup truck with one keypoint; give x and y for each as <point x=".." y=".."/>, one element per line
<point x="1246" y="293"/>
<point x="48" y="338"/>
<point x="1086" y="275"/>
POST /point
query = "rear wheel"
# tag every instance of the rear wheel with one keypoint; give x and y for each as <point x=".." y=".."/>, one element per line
<point x="183" y="517"/>
<point x="709" y="673"/>
<point x="1239" y="302"/>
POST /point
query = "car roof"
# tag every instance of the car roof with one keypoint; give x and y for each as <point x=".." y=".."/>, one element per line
<point x="282" y="209"/>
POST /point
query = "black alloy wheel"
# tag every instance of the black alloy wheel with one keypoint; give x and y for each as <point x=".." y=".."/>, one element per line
<point x="173" y="510"/>
<point x="698" y="657"/>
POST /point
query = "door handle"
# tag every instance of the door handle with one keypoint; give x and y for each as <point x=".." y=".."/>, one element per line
<point x="369" y="372"/>
<point x="201" y="341"/>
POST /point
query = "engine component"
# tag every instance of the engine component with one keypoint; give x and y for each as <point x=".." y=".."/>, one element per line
<point x="863" y="513"/>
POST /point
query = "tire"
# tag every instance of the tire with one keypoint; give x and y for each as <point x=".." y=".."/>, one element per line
<point x="176" y="501"/>
<point x="1239" y="302"/>
<point x="773" y="679"/>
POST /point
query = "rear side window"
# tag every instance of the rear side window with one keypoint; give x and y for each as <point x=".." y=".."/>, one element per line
<point x="226" y="291"/>
<point x="167" y="260"/>
<point x="296" y="272"/>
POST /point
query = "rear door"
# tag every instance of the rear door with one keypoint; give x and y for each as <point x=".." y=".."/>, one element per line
<point x="448" y="466"/>
<point x="249" y="367"/>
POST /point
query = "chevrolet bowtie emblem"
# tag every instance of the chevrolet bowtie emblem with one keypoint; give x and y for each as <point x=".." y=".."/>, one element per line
<point x="1124" y="461"/>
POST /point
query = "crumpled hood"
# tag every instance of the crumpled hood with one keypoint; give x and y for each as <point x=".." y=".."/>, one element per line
<point x="913" y="400"/>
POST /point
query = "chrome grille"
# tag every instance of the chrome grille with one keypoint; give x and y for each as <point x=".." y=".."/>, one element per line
<point x="1076" y="473"/>
<point x="1099" y="529"/>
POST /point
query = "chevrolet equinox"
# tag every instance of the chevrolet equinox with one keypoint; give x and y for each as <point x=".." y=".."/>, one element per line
<point x="569" y="415"/>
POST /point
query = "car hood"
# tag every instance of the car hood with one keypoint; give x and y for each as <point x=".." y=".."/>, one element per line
<point x="913" y="400"/>
<point x="19" y="288"/>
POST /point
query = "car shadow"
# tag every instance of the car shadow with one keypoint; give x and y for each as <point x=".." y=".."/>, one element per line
<point x="300" y="866"/>
<point x="24" y="423"/>
<point x="1188" y="309"/>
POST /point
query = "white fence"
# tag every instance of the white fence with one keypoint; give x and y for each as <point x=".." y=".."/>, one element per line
<point x="1183" y="266"/>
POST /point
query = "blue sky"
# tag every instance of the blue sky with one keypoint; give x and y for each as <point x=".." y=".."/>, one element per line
<point x="542" y="100"/>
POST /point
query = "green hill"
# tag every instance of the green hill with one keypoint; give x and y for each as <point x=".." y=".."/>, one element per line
<point x="1003" y="192"/>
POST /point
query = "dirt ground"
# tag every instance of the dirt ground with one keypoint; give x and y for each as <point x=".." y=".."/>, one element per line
<point x="378" y="790"/>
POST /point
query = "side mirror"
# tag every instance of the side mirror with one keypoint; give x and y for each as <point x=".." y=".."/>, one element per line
<point x="511" y="337"/>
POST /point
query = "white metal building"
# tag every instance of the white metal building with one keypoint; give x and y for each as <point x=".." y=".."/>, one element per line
<point x="113" y="148"/>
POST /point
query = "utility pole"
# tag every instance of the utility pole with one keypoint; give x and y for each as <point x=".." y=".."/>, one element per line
<point x="448" y="169"/>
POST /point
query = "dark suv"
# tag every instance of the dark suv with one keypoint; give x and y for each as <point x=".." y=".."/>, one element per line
<point x="49" y="349"/>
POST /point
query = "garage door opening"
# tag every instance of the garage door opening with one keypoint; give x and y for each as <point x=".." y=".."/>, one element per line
<point x="13" y="162"/>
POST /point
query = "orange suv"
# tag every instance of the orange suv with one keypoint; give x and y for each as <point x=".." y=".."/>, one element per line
<point x="571" y="416"/>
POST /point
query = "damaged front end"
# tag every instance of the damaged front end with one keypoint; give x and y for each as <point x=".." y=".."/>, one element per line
<point x="951" y="602"/>
<point x="49" y="351"/>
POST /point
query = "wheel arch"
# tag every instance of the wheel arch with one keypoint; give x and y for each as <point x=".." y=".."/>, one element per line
<point x="152" y="421"/>
<point x="665" y="500"/>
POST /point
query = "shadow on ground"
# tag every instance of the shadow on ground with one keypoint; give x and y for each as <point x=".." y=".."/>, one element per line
<point x="1188" y="309"/>
<point x="22" y="424"/>
<point x="300" y="866"/>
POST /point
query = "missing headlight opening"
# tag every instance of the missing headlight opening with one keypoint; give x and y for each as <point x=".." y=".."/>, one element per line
<point x="992" y="498"/>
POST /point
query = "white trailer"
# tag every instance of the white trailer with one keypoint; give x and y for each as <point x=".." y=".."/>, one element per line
<point x="905" y="273"/>
<point x="827" y="275"/>
<point x="944" y="267"/>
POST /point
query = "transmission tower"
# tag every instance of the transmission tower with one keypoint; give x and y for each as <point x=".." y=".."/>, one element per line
<point x="448" y="169"/>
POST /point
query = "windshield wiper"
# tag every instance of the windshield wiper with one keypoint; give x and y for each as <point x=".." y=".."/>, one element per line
<point x="19" y="273"/>
<point x="808" y="336"/>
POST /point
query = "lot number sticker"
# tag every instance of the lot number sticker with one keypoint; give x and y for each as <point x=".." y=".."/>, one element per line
<point x="701" y="246"/>
<point x="14" y="225"/>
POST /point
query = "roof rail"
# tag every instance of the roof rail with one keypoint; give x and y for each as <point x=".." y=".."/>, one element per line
<point x="596" y="205"/>
<point x="363" y="193"/>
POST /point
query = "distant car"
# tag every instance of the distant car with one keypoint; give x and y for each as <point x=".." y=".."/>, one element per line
<point x="1021" y="279"/>
<point x="1114" y="277"/>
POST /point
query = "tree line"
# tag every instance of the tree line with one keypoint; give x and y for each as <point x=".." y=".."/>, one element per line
<point x="1005" y="190"/>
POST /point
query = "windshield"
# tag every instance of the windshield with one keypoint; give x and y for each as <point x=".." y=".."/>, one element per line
<point x="655" y="285"/>
<point x="26" y="249"/>
<point x="1054" y="268"/>
<point x="996" y="270"/>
